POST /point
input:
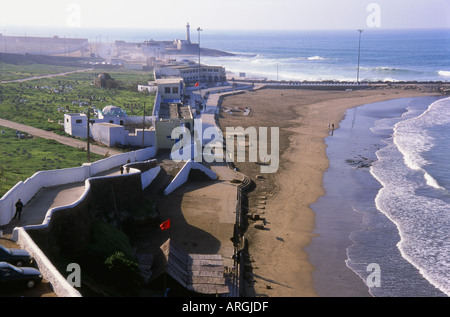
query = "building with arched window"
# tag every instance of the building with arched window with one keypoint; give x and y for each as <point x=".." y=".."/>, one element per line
<point x="191" y="73"/>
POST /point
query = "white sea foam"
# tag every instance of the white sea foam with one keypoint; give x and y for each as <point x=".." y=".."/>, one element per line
<point x="315" y="58"/>
<point x="444" y="73"/>
<point x="423" y="220"/>
<point x="412" y="139"/>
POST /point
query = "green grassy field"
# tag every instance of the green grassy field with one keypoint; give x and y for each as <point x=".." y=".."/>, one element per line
<point x="21" y="158"/>
<point x="14" y="72"/>
<point x="42" y="103"/>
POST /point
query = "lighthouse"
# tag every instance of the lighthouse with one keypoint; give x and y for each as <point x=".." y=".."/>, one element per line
<point x="188" y="33"/>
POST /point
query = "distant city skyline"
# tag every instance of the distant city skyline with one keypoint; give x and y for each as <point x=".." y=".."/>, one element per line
<point x="228" y="15"/>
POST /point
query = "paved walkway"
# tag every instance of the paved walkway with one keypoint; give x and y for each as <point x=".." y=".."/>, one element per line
<point x="47" y="198"/>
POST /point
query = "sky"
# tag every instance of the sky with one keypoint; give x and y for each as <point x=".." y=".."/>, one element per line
<point x="227" y="14"/>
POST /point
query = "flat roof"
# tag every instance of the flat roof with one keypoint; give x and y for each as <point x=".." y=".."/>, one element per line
<point x="172" y="80"/>
<point x="108" y="124"/>
<point x="174" y="111"/>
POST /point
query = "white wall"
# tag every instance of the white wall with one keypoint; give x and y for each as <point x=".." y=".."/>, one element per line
<point x="135" y="139"/>
<point x="60" y="286"/>
<point x="73" y="128"/>
<point x="27" y="189"/>
<point x="117" y="135"/>
<point x="148" y="176"/>
<point x="150" y="89"/>
<point x="183" y="175"/>
<point x="100" y="133"/>
<point x="138" y="120"/>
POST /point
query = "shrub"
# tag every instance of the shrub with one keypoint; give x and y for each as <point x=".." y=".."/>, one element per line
<point x="123" y="273"/>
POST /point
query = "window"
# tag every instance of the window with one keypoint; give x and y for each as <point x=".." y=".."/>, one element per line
<point x="167" y="90"/>
<point x="174" y="90"/>
<point x="78" y="121"/>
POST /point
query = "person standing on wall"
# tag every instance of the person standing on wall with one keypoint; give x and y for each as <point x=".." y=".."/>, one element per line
<point x="19" y="206"/>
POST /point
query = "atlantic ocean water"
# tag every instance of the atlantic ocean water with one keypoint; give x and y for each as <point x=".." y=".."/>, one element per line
<point x="386" y="55"/>
<point x="413" y="169"/>
<point x="388" y="183"/>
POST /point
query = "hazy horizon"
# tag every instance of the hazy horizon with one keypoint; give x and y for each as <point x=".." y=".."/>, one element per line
<point x="250" y="15"/>
<point x="109" y="34"/>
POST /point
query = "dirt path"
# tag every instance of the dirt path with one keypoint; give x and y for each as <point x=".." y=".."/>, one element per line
<point x="59" y="138"/>
<point x="44" y="76"/>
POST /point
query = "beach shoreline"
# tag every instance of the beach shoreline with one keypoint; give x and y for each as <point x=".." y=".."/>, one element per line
<point x="280" y="265"/>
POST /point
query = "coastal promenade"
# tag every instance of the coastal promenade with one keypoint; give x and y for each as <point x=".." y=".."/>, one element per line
<point x="208" y="215"/>
<point x="46" y="198"/>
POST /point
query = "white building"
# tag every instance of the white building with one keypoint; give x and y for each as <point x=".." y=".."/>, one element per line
<point x="170" y="111"/>
<point x="112" y="127"/>
<point x="152" y="87"/>
<point x="153" y="48"/>
<point x="191" y="72"/>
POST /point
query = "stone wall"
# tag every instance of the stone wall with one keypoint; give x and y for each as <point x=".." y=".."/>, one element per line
<point x="69" y="228"/>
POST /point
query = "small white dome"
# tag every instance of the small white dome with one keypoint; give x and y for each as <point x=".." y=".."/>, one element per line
<point x="113" y="111"/>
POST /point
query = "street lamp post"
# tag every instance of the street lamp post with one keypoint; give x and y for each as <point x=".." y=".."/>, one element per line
<point x="359" y="54"/>
<point x="88" y="149"/>
<point x="143" y="128"/>
<point x="199" y="66"/>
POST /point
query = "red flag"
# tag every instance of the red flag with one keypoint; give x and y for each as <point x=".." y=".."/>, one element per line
<point x="196" y="84"/>
<point x="165" y="225"/>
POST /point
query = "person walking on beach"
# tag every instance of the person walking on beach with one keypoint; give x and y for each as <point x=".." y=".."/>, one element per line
<point x="19" y="206"/>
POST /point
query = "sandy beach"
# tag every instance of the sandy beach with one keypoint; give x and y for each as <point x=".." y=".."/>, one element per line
<point x="280" y="265"/>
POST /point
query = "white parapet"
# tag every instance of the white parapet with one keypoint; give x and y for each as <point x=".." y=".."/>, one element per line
<point x="183" y="175"/>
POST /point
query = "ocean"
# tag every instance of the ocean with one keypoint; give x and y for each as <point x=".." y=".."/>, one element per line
<point x="390" y="174"/>
<point x="385" y="55"/>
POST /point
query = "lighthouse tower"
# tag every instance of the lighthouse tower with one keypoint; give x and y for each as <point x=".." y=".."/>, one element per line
<point x="188" y="33"/>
